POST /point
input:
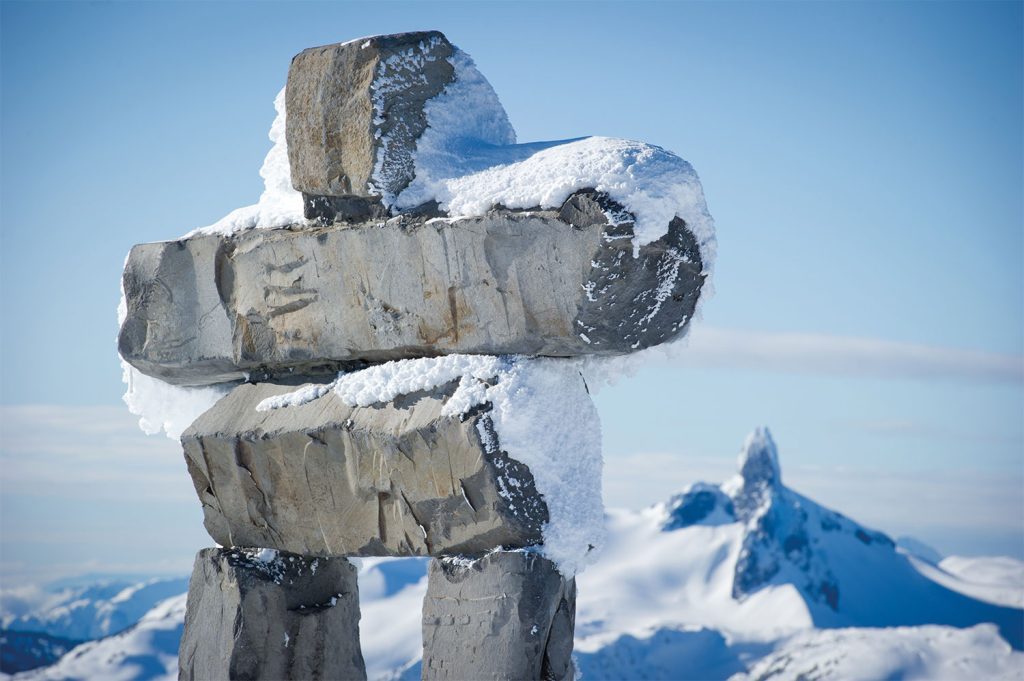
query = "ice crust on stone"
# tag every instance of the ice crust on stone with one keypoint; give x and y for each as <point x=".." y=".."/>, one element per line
<point x="467" y="109"/>
<point x="396" y="74"/>
<point x="541" y="413"/>
<point x="463" y="122"/>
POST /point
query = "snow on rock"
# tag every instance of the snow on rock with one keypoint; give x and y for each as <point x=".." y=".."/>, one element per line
<point x="648" y="578"/>
<point x="699" y="503"/>
<point x="164" y="407"/>
<point x="279" y="204"/>
<point x="395" y="76"/>
<point x="468" y="162"/>
<point x="929" y="652"/>
<point x="161" y="406"/>
<point x="542" y="416"/>
<point x="658" y="603"/>
<point x="467" y="111"/>
<point x="759" y="463"/>
<point x="25" y="650"/>
<point x="653" y="184"/>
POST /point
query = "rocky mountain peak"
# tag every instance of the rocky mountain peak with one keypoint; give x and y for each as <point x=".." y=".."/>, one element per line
<point x="759" y="459"/>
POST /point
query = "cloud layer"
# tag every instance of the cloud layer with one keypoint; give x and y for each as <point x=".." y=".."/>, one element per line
<point x="711" y="346"/>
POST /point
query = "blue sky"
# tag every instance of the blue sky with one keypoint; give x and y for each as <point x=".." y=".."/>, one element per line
<point x="863" y="163"/>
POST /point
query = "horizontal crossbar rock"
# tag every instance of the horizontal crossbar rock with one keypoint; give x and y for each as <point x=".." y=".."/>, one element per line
<point x="268" y="302"/>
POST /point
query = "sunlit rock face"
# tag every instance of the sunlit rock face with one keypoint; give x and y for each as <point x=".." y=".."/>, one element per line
<point x="508" y="615"/>
<point x="280" y="302"/>
<point x="393" y="479"/>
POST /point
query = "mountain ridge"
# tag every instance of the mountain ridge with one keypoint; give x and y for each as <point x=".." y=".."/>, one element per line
<point x="743" y="579"/>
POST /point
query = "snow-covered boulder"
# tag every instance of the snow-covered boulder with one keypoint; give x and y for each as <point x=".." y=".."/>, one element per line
<point x="357" y="110"/>
<point x="324" y="478"/>
<point x="260" y="614"/>
<point x="454" y="455"/>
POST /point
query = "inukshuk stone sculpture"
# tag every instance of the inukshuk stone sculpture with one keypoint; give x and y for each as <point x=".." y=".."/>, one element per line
<point x="387" y="351"/>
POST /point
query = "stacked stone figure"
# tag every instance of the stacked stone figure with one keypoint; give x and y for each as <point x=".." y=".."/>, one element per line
<point x="295" y="474"/>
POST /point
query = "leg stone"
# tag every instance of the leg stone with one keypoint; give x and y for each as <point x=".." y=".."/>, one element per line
<point x="508" y="615"/>
<point x="255" y="614"/>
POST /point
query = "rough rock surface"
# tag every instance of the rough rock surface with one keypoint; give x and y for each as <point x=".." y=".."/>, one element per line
<point x="323" y="478"/>
<point x="268" y="302"/>
<point x="354" y="105"/>
<point x="509" y="615"/>
<point x="263" y="615"/>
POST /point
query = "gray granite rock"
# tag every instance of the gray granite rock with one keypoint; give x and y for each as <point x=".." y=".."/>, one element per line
<point x="345" y="100"/>
<point x="509" y="615"/>
<point x="322" y="478"/>
<point x="273" y="302"/>
<point x="270" y="616"/>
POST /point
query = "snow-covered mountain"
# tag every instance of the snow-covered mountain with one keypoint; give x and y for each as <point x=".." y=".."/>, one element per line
<point x="747" y="579"/>
<point x="845" y="574"/>
<point x="146" y="650"/>
<point x="85" y="612"/>
<point x="23" y="650"/>
<point x="865" y="654"/>
<point x="149" y="648"/>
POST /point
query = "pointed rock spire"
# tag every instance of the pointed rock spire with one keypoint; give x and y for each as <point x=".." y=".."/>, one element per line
<point x="759" y="459"/>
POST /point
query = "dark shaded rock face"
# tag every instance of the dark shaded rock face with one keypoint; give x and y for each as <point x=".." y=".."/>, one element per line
<point x="509" y="615"/>
<point x="698" y="505"/>
<point x="323" y="478"/>
<point x="263" y="615"/>
<point x="785" y="529"/>
<point x="779" y="529"/>
<point x="268" y="302"/>
<point x="354" y="105"/>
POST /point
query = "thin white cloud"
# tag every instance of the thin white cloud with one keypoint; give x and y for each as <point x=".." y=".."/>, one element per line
<point x="86" y="453"/>
<point x="908" y="428"/>
<point x="83" y="489"/>
<point x="711" y="346"/>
